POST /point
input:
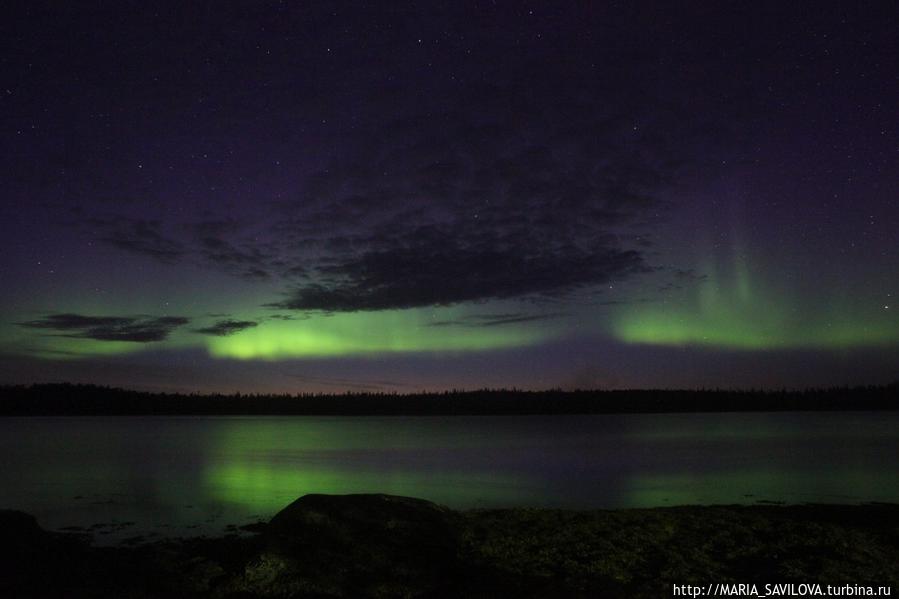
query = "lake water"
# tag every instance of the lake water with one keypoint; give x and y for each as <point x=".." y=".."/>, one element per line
<point x="180" y="476"/>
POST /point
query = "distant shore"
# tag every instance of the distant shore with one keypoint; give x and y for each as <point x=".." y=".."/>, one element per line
<point x="388" y="546"/>
<point x="93" y="400"/>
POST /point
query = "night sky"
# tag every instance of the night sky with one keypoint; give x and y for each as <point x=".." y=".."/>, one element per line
<point x="303" y="196"/>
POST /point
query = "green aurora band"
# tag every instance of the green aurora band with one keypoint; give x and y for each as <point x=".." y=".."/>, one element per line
<point x="305" y="336"/>
<point x="732" y="308"/>
<point x="361" y="333"/>
<point x="736" y="311"/>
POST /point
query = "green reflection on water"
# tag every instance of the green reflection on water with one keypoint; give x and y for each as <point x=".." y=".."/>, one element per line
<point x="262" y="464"/>
<point x="266" y="487"/>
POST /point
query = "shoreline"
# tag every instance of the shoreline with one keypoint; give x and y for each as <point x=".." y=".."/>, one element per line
<point x="91" y="400"/>
<point x="381" y="545"/>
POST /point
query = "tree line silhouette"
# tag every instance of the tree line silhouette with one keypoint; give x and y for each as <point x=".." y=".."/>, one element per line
<point x="76" y="400"/>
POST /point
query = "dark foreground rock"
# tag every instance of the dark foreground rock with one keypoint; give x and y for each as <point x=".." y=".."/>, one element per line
<point x="385" y="546"/>
<point x="357" y="545"/>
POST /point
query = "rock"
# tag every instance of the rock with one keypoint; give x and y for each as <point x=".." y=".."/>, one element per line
<point x="19" y="530"/>
<point x="28" y="554"/>
<point x="357" y="545"/>
<point x="345" y="520"/>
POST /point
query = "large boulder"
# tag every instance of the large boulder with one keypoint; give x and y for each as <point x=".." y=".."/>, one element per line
<point x="357" y="545"/>
<point x="19" y="531"/>
<point x="32" y="560"/>
<point x="388" y="522"/>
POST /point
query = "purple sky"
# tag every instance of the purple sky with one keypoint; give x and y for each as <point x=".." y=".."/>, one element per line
<point x="320" y="196"/>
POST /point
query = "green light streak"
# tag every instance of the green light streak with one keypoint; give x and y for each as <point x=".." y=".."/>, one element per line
<point x="367" y="334"/>
<point x="308" y="336"/>
<point x="739" y="311"/>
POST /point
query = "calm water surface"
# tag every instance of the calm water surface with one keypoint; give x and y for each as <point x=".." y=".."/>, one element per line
<point x="174" y="476"/>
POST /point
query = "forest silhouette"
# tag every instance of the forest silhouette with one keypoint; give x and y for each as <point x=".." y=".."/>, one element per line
<point x="77" y="399"/>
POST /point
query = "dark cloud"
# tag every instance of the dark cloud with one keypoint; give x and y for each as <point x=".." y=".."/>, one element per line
<point x="541" y="172"/>
<point x="220" y="243"/>
<point x="138" y="236"/>
<point x="682" y="278"/>
<point x="245" y="263"/>
<point x="215" y="243"/>
<point x="627" y="301"/>
<point x="227" y="327"/>
<point x="512" y="186"/>
<point x="440" y="269"/>
<point x="491" y="320"/>
<point x="139" y="329"/>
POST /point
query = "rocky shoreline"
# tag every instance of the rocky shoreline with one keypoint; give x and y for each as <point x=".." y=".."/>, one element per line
<point x="388" y="546"/>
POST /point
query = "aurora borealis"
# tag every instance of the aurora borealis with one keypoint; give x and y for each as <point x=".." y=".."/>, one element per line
<point x="254" y="196"/>
<point x="735" y="310"/>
